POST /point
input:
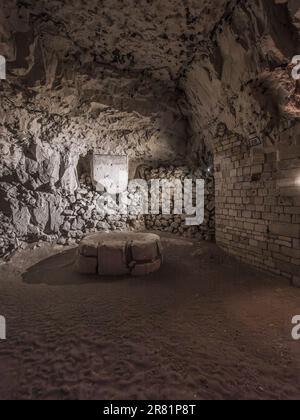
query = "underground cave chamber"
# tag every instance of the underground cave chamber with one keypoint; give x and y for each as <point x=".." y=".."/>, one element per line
<point x="105" y="105"/>
<point x="195" y="111"/>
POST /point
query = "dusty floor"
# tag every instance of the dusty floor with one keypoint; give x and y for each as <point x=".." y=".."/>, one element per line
<point x="203" y="327"/>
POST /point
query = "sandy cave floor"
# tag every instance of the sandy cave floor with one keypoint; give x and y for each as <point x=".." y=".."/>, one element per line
<point x="205" y="326"/>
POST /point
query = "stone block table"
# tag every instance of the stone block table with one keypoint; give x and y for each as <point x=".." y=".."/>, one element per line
<point x="118" y="253"/>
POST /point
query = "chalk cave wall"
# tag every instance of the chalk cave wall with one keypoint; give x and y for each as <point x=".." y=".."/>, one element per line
<point x="215" y="82"/>
<point x="246" y="107"/>
<point x="46" y="129"/>
<point x="54" y="111"/>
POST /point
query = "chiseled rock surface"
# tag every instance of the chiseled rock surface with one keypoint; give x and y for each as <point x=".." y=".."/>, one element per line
<point x="162" y="82"/>
<point x="151" y="36"/>
<point x="241" y="77"/>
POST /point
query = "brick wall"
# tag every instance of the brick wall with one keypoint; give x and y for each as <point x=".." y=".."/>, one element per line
<point x="258" y="204"/>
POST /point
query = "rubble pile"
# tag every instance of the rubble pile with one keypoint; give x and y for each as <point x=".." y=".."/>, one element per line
<point x="176" y="223"/>
<point x="33" y="216"/>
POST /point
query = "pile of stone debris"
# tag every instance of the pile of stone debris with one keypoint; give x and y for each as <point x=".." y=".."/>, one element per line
<point x="176" y="223"/>
<point x="35" y="216"/>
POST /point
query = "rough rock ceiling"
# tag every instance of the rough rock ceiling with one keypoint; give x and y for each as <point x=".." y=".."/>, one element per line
<point x="158" y="37"/>
<point x="76" y="56"/>
<point x="241" y="77"/>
